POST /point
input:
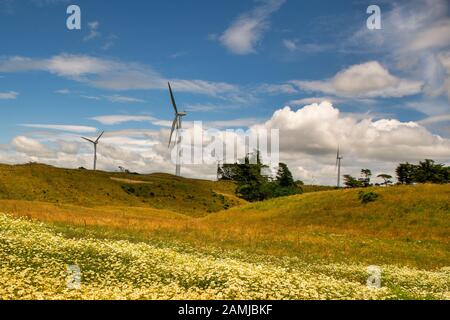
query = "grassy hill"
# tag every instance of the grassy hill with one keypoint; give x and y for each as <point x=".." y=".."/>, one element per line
<point x="37" y="182"/>
<point x="322" y="240"/>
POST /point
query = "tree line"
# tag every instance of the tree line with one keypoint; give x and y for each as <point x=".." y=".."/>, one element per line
<point x="427" y="171"/>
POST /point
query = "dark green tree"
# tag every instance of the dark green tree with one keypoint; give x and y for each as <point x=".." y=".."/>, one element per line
<point x="351" y="182"/>
<point x="405" y="173"/>
<point x="429" y="172"/>
<point x="366" y="174"/>
<point x="386" y="177"/>
<point x="284" y="176"/>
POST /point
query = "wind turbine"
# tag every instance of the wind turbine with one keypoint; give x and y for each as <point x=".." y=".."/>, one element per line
<point x="95" y="143"/>
<point x="176" y="125"/>
<point x="338" y="166"/>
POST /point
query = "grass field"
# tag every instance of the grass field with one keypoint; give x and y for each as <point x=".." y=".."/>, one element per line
<point x="131" y="244"/>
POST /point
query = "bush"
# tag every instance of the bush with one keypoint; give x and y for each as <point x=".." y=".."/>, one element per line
<point x="366" y="197"/>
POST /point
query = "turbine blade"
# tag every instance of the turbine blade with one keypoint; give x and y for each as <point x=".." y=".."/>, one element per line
<point x="173" y="99"/>
<point x="99" y="137"/>
<point x="87" y="139"/>
<point x="174" y="123"/>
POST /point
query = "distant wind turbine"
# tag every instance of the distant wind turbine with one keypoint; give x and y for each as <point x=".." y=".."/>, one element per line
<point x="338" y="166"/>
<point x="95" y="143"/>
<point x="176" y="125"/>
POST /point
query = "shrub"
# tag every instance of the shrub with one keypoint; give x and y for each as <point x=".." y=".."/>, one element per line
<point x="366" y="197"/>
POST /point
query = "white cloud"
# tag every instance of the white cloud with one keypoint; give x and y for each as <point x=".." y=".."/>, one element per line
<point x="434" y="36"/>
<point x="202" y="107"/>
<point x="233" y="123"/>
<point x="414" y="32"/>
<point x="79" y="129"/>
<point x="115" y="75"/>
<point x="31" y="147"/>
<point x="124" y="99"/>
<point x="248" y="29"/>
<point x="63" y="91"/>
<point x="435" y="119"/>
<point x="317" y="129"/>
<point x="291" y="45"/>
<point x="90" y="97"/>
<point x="365" y="80"/>
<point x="309" y="137"/>
<point x="311" y="100"/>
<point x="444" y="59"/>
<point x="11" y="95"/>
<point x="93" y="31"/>
<point x="118" y="119"/>
<point x="285" y="88"/>
<point x="68" y="147"/>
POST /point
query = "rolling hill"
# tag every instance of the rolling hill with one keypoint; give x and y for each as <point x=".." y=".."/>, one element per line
<point x="202" y="237"/>
<point x="38" y="182"/>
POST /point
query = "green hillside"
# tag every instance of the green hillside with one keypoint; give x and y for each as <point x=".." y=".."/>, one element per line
<point x="37" y="182"/>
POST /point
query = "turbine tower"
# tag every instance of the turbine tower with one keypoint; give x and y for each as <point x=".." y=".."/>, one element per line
<point x="95" y="143"/>
<point x="176" y="125"/>
<point x="338" y="166"/>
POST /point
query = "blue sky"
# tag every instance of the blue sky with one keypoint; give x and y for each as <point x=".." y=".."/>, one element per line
<point x="232" y="63"/>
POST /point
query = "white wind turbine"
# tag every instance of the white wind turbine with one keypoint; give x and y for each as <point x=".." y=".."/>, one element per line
<point x="176" y="125"/>
<point x="95" y="143"/>
<point x="338" y="166"/>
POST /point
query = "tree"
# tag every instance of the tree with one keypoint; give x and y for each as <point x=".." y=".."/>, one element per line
<point x="426" y="171"/>
<point x="366" y="174"/>
<point x="351" y="182"/>
<point x="284" y="176"/>
<point x="386" y="177"/>
<point x="250" y="181"/>
<point x="405" y="173"/>
<point x="429" y="171"/>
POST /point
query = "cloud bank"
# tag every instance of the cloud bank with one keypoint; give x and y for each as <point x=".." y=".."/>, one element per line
<point x="309" y="137"/>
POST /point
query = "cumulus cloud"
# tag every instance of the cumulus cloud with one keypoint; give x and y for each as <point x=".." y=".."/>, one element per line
<point x="244" y="34"/>
<point x="317" y="129"/>
<point x="309" y="137"/>
<point x="68" y="147"/>
<point x="31" y="147"/>
<point x="366" y="80"/>
<point x="413" y="35"/>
